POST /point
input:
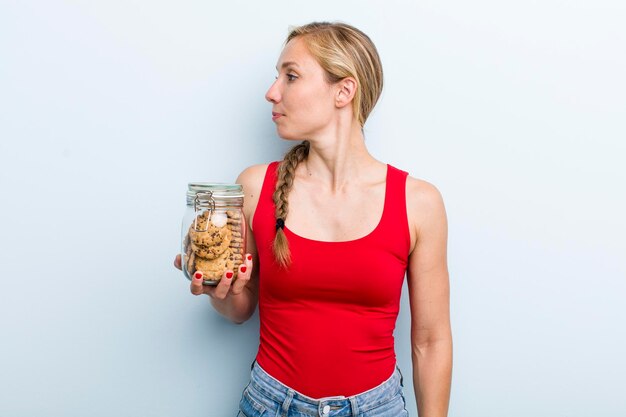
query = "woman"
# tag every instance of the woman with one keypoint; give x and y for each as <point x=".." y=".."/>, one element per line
<point x="332" y="232"/>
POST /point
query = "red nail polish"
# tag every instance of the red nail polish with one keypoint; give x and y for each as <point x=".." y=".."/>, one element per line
<point x="243" y="268"/>
<point x="198" y="275"/>
<point x="229" y="275"/>
<point x="249" y="257"/>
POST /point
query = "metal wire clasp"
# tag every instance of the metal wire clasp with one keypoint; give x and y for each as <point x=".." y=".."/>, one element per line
<point x="207" y="197"/>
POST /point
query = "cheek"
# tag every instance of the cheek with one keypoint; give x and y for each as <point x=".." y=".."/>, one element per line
<point x="314" y="105"/>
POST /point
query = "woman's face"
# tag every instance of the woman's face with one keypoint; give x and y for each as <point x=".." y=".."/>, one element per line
<point x="302" y="100"/>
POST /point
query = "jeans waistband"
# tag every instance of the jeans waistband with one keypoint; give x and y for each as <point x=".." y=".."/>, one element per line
<point x="277" y="391"/>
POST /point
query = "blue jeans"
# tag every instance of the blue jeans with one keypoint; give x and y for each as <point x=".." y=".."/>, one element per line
<point x="267" y="397"/>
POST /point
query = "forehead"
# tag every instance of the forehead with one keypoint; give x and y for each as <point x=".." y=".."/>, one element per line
<point x="296" y="54"/>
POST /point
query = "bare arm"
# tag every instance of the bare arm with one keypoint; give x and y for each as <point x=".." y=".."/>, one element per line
<point x="237" y="300"/>
<point x="429" y="294"/>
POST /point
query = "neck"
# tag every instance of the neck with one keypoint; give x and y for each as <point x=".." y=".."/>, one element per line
<point x="339" y="158"/>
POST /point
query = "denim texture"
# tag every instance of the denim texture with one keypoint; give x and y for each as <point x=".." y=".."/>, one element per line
<point x="267" y="397"/>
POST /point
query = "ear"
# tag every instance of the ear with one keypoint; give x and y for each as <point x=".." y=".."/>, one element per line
<point x="346" y="89"/>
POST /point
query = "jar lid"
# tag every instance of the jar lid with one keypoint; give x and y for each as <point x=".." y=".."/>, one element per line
<point x="218" y="190"/>
<point x="203" y="195"/>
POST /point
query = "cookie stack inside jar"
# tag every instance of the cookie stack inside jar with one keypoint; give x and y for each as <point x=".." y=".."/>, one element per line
<point x="214" y="231"/>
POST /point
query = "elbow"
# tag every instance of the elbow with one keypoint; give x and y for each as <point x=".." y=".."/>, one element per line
<point x="243" y="317"/>
<point x="421" y="347"/>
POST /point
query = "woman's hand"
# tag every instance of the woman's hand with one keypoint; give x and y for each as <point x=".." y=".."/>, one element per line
<point x="226" y="286"/>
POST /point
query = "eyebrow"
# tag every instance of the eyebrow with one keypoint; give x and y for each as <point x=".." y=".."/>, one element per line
<point x="287" y="64"/>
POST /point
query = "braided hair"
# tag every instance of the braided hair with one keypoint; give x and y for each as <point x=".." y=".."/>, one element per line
<point x="286" y="174"/>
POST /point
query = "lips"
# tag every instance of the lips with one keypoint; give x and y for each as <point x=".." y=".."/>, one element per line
<point x="275" y="115"/>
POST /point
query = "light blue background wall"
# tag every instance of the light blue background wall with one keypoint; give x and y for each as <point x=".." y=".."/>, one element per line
<point x="515" y="110"/>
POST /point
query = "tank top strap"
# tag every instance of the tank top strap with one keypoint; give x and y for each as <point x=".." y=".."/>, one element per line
<point x="271" y="176"/>
<point x="395" y="221"/>
<point x="264" y="213"/>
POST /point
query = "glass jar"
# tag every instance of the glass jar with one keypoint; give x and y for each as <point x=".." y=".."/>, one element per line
<point x="214" y="231"/>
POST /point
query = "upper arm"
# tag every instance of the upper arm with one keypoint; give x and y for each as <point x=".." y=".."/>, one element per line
<point x="429" y="289"/>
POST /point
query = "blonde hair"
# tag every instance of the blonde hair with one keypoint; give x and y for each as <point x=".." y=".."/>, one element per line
<point x="342" y="51"/>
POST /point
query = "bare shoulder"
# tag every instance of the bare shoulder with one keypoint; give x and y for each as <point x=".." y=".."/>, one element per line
<point x="425" y="209"/>
<point x="423" y="196"/>
<point x="251" y="179"/>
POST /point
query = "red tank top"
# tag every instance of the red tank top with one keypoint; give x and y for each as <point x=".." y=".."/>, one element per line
<point x="327" y="322"/>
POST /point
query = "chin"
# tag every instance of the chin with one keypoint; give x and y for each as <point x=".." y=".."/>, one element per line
<point x="289" y="135"/>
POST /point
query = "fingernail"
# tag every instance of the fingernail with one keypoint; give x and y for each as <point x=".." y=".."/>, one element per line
<point x="243" y="268"/>
<point x="229" y="275"/>
<point x="198" y="275"/>
<point x="249" y="257"/>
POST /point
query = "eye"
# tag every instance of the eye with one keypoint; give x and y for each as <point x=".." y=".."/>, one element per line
<point x="291" y="77"/>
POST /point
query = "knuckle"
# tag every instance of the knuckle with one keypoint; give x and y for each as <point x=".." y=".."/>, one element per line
<point x="239" y="287"/>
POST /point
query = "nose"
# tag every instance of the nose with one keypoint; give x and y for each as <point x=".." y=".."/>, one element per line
<point x="273" y="94"/>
